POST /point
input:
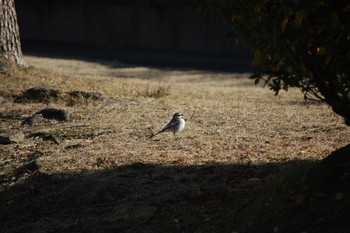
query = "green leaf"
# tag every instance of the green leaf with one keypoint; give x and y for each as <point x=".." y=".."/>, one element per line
<point x="284" y="23"/>
<point x="298" y="20"/>
<point x="258" y="57"/>
<point x="320" y="50"/>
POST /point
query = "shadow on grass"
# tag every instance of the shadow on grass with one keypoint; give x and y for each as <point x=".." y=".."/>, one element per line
<point x="239" y="63"/>
<point x="153" y="198"/>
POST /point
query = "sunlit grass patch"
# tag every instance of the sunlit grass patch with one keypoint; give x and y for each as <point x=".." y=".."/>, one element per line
<point x="155" y="91"/>
<point x="227" y="120"/>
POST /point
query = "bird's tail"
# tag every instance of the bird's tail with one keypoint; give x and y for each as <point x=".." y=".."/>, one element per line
<point x="154" y="134"/>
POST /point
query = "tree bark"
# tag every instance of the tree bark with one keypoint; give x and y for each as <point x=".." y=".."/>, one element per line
<point x="10" y="45"/>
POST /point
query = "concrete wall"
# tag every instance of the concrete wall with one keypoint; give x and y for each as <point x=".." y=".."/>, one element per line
<point x="124" y="25"/>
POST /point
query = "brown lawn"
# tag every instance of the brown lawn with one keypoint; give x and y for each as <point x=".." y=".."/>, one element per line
<point x="106" y="175"/>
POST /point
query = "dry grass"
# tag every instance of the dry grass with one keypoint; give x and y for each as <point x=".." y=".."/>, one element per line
<point x="228" y="119"/>
<point x="230" y="124"/>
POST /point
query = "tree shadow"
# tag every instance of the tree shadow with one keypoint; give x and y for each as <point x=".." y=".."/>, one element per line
<point x="147" y="198"/>
<point x="239" y="63"/>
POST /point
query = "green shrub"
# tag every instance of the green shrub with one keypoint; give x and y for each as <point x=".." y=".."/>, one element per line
<point x="297" y="43"/>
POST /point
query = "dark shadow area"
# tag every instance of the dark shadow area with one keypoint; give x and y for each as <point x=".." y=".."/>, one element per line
<point x="157" y="33"/>
<point x="156" y="59"/>
<point x="153" y="198"/>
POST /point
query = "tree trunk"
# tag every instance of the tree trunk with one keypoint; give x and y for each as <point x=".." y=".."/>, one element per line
<point x="10" y="45"/>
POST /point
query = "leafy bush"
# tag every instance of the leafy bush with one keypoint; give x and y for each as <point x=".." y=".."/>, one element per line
<point x="297" y="43"/>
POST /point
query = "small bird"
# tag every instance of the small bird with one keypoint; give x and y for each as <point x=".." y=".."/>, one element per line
<point x="176" y="124"/>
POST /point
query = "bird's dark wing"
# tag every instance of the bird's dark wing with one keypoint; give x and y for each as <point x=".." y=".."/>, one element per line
<point x="172" y="123"/>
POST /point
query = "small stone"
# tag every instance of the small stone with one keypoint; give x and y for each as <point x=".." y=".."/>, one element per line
<point x="33" y="120"/>
<point x="29" y="167"/>
<point x="8" y="138"/>
<point x="54" y="113"/>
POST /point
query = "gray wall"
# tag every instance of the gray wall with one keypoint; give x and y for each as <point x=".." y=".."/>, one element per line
<point x="124" y="25"/>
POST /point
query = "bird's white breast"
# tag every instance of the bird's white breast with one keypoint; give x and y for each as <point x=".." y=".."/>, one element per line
<point x="182" y="125"/>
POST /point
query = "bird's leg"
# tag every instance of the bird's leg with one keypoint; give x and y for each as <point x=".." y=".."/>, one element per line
<point x="176" y="138"/>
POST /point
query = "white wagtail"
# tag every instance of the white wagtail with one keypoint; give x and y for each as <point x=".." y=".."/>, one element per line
<point x="176" y="124"/>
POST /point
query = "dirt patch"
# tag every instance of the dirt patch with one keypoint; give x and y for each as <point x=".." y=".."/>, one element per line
<point x="86" y="95"/>
<point x="49" y="95"/>
<point x="39" y="94"/>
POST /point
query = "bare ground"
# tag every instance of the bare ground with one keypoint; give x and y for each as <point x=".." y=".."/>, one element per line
<point x="241" y="148"/>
